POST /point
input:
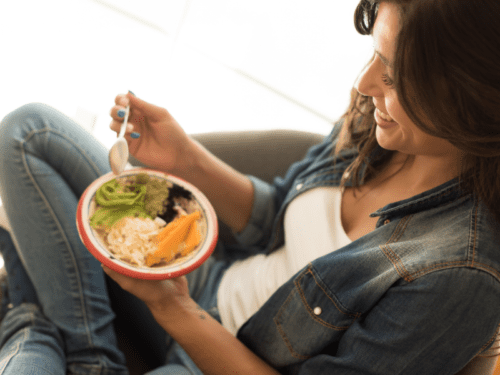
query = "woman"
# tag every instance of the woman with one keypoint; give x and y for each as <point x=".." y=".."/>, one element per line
<point x="395" y="271"/>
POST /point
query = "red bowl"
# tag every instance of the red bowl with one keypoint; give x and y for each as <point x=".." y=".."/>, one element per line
<point x="178" y="268"/>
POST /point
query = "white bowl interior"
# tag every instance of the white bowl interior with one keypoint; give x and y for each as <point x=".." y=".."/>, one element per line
<point x="87" y="206"/>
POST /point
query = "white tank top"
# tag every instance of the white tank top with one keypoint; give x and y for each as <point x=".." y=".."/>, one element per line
<point x="313" y="228"/>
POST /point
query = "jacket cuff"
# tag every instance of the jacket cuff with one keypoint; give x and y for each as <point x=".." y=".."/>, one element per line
<point x="263" y="213"/>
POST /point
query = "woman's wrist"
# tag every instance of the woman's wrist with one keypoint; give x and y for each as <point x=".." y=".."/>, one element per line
<point x="213" y="349"/>
<point x="187" y="160"/>
<point x="173" y="311"/>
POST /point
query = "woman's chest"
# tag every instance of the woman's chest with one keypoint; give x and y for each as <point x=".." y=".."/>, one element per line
<point x="358" y="204"/>
<point x="355" y="214"/>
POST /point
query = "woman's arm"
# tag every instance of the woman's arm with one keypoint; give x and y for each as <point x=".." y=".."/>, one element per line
<point x="208" y="343"/>
<point x="205" y="340"/>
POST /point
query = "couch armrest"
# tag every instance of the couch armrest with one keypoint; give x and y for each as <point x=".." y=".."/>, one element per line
<point x="264" y="154"/>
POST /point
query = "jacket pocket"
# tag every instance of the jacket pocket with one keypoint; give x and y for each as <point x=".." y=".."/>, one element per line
<point x="311" y="318"/>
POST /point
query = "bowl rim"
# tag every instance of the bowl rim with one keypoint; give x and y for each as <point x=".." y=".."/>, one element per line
<point x="160" y="273"/>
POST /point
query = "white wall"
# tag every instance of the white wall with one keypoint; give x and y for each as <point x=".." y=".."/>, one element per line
<point x="215" y="64"/>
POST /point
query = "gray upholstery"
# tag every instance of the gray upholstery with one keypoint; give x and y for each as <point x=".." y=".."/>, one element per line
<point x="264" y="154"/>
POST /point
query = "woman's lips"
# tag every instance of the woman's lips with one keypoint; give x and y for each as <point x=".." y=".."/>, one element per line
<point x="384" y="120"/>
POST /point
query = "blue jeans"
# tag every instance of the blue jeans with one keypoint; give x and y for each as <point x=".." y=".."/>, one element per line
<point x="64" y="309"/>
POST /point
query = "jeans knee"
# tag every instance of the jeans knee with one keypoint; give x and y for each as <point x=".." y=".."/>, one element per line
<point x="30" y="110"/>
<point x="23" y="120"/>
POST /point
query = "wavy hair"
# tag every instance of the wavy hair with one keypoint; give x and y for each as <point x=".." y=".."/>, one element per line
<point x="446" y="73"/>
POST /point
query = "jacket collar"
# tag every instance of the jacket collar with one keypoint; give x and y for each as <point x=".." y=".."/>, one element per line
<point x="442" y="194"/>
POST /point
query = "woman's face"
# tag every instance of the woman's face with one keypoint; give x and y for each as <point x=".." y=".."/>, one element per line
<point x="395" y="131"/>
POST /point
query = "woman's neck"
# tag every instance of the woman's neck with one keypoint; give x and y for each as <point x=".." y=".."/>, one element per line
<point x="423" y="172"/>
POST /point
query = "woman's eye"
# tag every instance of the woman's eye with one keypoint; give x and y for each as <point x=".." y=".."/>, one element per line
<point x="387" y="80"/>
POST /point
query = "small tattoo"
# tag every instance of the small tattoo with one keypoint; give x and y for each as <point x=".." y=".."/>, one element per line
<point x="202" y="312"/>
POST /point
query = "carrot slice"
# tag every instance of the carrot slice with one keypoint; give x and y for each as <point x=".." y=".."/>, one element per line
<point x="192" y="240"/>
<point x="168" y="228"/>
<point x="171" y="238"/>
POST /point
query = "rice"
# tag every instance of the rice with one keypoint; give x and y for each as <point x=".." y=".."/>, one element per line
<point x="131" y="239"/>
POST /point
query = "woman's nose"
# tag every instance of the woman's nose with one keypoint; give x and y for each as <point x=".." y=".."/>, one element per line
<point x="368" y="82"/>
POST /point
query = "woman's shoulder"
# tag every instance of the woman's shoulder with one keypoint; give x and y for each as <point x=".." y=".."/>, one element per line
<point x="460" y="234"/>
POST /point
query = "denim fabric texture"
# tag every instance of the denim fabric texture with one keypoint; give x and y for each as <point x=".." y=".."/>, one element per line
<point x="63" y="308"/>
<point x="418" y="295"/>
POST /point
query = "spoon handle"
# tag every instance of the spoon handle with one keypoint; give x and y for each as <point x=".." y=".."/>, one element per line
<point x="125" y="121"/>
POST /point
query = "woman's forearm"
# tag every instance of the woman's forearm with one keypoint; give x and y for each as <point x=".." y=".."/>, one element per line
<point x="230" y="192"/>
<point x="209" y="344"/>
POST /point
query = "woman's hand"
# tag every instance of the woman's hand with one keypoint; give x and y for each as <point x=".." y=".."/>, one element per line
<point x="163" y="297"/>
<point x="162" y="144"/>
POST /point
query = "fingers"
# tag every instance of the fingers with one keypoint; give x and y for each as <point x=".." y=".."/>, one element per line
<point x="138" y="108"/>
<point x="117" y="114"/>
<point x="152" y="111"/>
<point x="122" y="100"/>
<point x="116" y="126"/>
<point x="125" y="282"/>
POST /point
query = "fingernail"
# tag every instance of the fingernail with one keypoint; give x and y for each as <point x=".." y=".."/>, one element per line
<point x="135" y="135"/>
<point x="121" y="113"/>
<point x="131" y="92"/>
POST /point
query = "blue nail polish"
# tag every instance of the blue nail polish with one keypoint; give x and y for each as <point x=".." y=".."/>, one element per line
<point x="131" y="92"/>
<point x="121" y="113"/>
<point x="135" y="135"/>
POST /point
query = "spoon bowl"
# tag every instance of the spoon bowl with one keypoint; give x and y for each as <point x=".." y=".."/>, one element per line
<point x="118" y="154"/>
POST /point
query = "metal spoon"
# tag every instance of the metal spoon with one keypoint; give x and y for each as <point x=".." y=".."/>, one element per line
<point x="118" y="154"/>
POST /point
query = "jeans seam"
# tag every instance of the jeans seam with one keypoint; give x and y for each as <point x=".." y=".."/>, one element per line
<point x="6" y="361"/>
<point x="32" y="133"/>
<point x="58" y="224"/>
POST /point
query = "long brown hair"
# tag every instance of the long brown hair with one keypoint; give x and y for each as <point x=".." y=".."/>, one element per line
<point x="447" y="73"/>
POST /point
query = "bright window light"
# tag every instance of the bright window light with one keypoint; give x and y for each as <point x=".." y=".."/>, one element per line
<point x="216" y="65"/>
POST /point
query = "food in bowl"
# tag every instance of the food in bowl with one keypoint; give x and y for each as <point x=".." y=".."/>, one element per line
<point x="147" y="221"/>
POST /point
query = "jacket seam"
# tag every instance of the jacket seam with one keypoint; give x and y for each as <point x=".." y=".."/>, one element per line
<point x="282" y="332"/>
<point x="310" y="310"/>
<point x="455" y="264"/>
<point x="302" y="295"/>
<point x="393" y="258"/>
<point x="495" y="337"/>
<point x="474" y="236"/>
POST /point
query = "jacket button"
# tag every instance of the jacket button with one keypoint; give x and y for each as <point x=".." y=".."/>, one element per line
<point x="299" y="186"/>
<point x="317" y="311"/>
<point x="387" y="222"/>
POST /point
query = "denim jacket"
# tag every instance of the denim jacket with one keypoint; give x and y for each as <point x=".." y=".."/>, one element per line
<point x="420" y="294"/>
